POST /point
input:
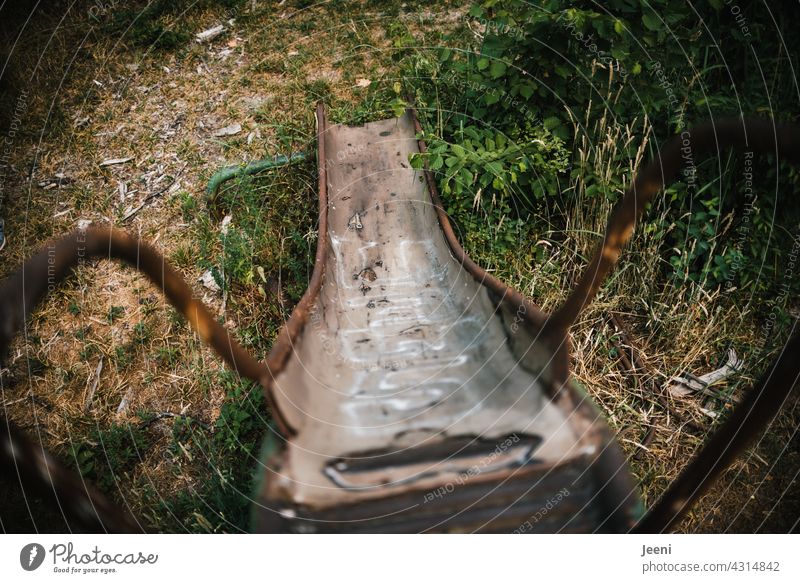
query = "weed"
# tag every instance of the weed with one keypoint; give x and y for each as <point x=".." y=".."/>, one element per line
<point x="228" y="452"/>
<point x="115" y="313"/>
<point x="122" y="357"/>
<point x="167" y="356"/>
<point x="109" y="453"/>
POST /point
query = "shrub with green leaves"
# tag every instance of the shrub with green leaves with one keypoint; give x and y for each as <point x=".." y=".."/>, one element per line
<point x="558" y="65"/>
<point x="492" y="182"/>
<point x="482" y="160"/>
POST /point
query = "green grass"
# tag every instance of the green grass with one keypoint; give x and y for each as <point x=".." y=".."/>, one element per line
<point x="106" y="455"/>
<point x="227" y="452"/>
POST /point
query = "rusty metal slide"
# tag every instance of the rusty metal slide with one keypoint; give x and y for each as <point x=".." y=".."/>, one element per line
<point x="412" y="391"/>
<point x="419" y="393"/>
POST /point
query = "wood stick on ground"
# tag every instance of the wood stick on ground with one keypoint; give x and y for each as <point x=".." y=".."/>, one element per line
<point x="642" y="366"/>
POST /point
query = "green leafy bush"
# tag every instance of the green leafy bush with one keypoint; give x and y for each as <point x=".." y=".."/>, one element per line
<point x="492" y="183"/>
<point x="553" y="67"/>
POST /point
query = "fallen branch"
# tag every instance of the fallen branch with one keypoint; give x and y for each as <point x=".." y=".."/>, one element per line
<point x="169" y="415"/>
<point x="153" y="196"/>
<point x="92" y="383"/>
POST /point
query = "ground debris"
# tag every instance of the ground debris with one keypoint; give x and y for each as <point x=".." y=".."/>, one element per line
<point x="115" y="161"/>
<point x="208" y="281"/>
<point x="209" y="34"/>
<point x="229" y="130"/>
<point x="92" y="383"/>
<point x="686" y="383"/>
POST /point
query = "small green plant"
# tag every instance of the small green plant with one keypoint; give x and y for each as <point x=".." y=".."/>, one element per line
<point x="188" y="204"/>
<point x="122" y="357"/>
<point x="382" y="100"/>
<point x="115" y="313"/>
<point x="141" y="333"/>
<point x="168" y="355"/>
<point x="109" y="453"/>
<point x="241" y="418"/>
<point x="400" y="34"/>
<point x="88" y="351"/>
<point x="229" y="448"/>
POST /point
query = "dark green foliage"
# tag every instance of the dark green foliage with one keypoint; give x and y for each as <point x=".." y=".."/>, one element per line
<point x="534" y="75"/>
<point x="109" y="453"/>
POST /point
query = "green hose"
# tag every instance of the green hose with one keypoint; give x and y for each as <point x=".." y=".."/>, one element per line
<point x="252" y="168"/>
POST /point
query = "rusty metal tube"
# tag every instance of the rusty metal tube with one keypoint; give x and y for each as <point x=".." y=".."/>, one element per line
<point x="33" y="467"/>
<point x="764" y="401"/>
<point x="758" y="135"/>
<point x="22" y="290"/>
